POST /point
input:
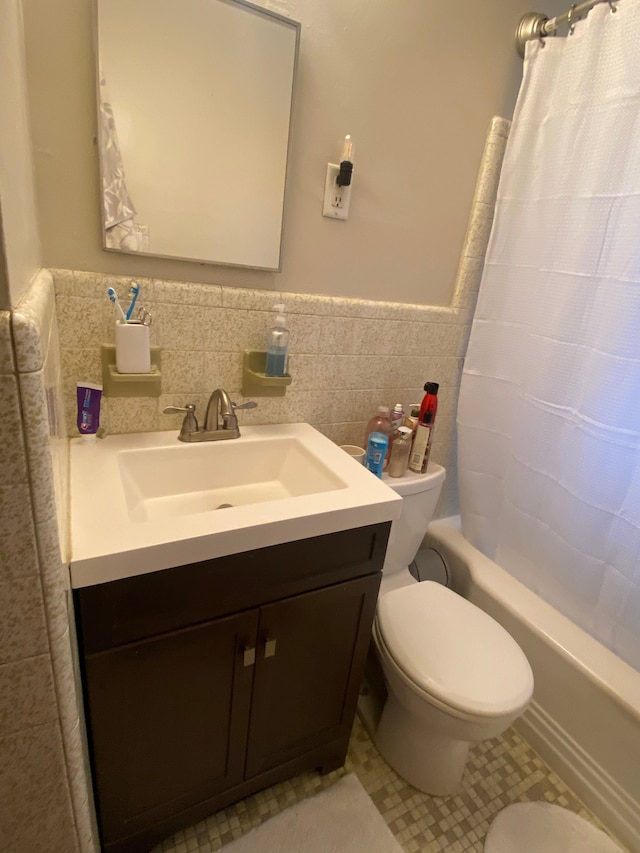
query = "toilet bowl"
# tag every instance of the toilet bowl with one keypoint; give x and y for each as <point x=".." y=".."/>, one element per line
<point x="453" y="675"/>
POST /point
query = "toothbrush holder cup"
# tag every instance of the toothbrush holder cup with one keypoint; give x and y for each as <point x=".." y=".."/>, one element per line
<point x="133" y="350"/>
<point x="355" y="452"/>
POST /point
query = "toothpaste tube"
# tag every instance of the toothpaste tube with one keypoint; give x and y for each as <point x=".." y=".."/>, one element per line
<point x="88" y="396"/>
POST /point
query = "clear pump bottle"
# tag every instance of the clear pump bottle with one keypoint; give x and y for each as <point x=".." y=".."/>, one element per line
<point x="278" y="345"/>
<point x="399" y="461"/>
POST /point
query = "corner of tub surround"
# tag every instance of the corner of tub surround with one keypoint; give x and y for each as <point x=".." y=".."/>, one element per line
<point x="37" y="355"/>
<point x="32" y="320"/>
<point x="30" y="332"/>
<point x="476" y="240"/>
<point x="471" y="265"/>
<point x="7" y="364"/>
<point x="498" y="128"/>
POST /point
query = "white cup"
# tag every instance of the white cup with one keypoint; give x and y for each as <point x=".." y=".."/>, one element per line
<point x="133" y="352"/>
<point x="355" y="452"/>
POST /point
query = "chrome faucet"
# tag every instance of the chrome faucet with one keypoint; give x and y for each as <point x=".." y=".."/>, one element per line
<point x="220" y="407"/>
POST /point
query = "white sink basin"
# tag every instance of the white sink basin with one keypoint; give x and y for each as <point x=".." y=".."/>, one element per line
<point x="166" y="482"/>
<point x="145" y="502"/>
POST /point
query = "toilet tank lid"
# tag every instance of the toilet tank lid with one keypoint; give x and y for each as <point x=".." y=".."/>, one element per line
<point x="454" y="651"/>
<point x="411" y="483"/>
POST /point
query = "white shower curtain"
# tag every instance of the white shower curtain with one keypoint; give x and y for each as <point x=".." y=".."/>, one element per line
<point x="549" y="411"/>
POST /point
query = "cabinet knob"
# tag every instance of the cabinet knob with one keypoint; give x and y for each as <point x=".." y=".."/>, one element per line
<point x="269" y="648"/>
<point x="249" y="656"/>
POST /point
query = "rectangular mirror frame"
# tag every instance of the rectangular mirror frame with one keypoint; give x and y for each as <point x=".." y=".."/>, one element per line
<point x="294" y="25"/>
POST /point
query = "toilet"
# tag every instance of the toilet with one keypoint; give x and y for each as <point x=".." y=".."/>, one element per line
<point x="453" y="675"/>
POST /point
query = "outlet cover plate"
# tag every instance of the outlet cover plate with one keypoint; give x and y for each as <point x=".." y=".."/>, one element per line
<point x="336" y="199"/>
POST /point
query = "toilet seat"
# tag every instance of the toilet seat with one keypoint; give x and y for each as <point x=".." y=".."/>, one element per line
<point x="453" y="653"/>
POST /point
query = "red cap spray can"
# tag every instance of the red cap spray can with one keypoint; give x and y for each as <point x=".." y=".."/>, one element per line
<point x="419" y="458"/>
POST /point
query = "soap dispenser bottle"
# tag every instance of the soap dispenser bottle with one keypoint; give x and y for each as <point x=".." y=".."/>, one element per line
<point x="278" y="345"/>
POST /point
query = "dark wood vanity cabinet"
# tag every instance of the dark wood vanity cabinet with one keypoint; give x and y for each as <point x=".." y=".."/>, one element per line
<point x="168" y="722"/>
<point x="207" y="682"/>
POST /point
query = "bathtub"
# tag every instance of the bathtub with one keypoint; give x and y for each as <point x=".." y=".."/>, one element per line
<point x="585" y="716"/>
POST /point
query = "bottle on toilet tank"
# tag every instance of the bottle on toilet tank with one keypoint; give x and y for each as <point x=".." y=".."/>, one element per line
<point x="377" y="447"/>
<point x="429" y="401"/>
<point x="421" y="450"/>
<point x="412" y="419"/>
<point x="399" y="458"/>
<point x="397" y="416"/>
<point x="380" y="422"/>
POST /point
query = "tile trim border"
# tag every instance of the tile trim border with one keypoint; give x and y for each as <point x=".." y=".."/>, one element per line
<point x="34" y="333"/>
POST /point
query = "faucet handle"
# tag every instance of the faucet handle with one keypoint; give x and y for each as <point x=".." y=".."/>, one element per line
<point x="177" y="410"/>
<point x="190" y="423"/>
<point x="231" y="421"/>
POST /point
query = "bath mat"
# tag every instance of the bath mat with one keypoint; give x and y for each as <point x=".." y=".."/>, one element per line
<point x="545" y="828"/>
<point x="341" y="819"/>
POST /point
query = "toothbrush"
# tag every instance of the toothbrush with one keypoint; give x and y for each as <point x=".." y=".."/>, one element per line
<point x="134" y="290"/>
<point x="113" y="296"/>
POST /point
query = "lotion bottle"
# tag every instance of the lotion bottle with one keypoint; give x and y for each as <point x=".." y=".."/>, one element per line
<point x="278" y="345"/>
<point x="397" y="416"/>
<point x="399" y="460"/>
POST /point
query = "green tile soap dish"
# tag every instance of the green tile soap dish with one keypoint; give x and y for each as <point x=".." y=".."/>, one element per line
<point x="129" y="384"/>
<point x="255" y="382"/>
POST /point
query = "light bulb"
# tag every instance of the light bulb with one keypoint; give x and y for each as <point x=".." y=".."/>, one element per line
<point x="347" y="150"/>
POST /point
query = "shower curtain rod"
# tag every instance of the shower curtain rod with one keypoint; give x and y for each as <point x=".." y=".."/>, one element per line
<point x="535" y="25"/>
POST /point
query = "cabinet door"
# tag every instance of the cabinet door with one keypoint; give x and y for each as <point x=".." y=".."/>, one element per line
<point x="168" y="721"/>
<point x="310" y="659"/>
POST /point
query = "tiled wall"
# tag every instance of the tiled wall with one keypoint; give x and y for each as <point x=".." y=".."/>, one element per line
<point x="43" y="773"/>
<point x="32" y="787"/>
<point x="346" y="357"/>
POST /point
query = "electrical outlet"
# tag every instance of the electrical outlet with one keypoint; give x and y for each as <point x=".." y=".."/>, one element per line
<point x="336" y="199"/>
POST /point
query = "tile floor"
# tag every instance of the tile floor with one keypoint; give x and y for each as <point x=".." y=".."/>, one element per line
<point x="499" y="772"/>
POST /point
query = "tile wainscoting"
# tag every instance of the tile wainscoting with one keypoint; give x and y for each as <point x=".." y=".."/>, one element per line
<point x="346" y="357"/>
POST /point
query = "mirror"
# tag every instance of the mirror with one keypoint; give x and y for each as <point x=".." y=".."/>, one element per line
<point x="194" y="100"/>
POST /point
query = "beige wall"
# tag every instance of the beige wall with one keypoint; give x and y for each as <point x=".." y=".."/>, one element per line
<point x="20" y="256"/>
<point x="415" y="83"/>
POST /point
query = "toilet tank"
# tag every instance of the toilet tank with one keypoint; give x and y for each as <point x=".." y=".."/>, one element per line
<point x="420" y="493"/>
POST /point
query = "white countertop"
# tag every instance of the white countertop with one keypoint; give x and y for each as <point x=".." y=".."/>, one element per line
<point x="106" y="544"/>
